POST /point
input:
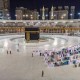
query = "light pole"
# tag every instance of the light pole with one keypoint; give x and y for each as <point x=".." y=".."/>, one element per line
<point x="71" y="16"/>
<point x="38" y="16"/>
<point x="79" y="15"/>
<point x="16" y="16"/>
<point x="27" y="16"/>
<point x="55" y="16"/>
<point x="46" y="16"/>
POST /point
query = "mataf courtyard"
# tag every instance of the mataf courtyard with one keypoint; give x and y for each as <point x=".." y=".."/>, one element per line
<point x="20" y="65"/>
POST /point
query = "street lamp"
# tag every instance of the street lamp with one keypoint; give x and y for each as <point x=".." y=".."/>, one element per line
<point x="71" y="16"/>
<point x="55" y="16"/>
<point x="46" y="15"/>
<point x="7" y="14"/>
<point x="16" y="15"/>
<point x="38" y="16"/>
<point x="26" y="15"/>
<point x="62" y="17"/>
<point x="79" y="15"/>
<point x="23" y="15"/>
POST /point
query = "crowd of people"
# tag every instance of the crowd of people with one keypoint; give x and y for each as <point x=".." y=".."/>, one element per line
<point x="63" y="57"/>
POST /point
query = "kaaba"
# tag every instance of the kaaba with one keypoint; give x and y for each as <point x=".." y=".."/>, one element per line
<point x="31" y="33"/>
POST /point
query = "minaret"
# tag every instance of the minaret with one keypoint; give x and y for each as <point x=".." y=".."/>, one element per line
<point x="43" y="13"/>
<point x="52" y="12"/>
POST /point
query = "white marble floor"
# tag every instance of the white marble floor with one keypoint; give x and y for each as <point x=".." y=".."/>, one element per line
<point x="22" y="66"/>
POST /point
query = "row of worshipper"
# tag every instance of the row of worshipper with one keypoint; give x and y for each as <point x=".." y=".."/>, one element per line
<point x="38" y="52"/>
<point x="64" y="57"/>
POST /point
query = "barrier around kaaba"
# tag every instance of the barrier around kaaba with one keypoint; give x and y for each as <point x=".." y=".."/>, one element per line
<point x="32" y="33"/>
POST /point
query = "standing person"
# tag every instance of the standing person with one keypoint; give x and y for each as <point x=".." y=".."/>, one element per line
<point x="79" y="64"/>
<point x="40" y="54"/>
<point x="32" y="54"/>
<point x="7" y="51"/>
<point x="17" y="50"/>
<point x="10" y="52"/>
<point x="79" y="61"/>
<point x="18" y="44"/>
<point x="42" y="73"/>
